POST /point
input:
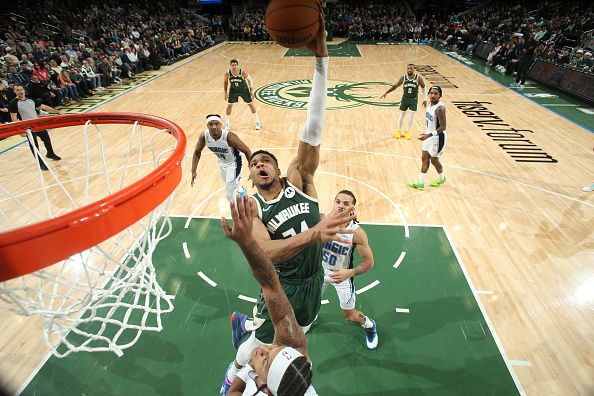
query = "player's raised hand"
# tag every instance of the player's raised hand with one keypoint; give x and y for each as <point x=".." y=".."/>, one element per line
<point x="243" y="218"/>
<point x="328" y="228"/>
<point x="318" y="44"/>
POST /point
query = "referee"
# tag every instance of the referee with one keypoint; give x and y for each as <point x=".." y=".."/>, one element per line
<point x="26" y="109"/>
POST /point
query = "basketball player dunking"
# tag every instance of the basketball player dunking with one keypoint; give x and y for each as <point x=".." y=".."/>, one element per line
<point x="287" y="222"/>
<point x="410" y="97"/>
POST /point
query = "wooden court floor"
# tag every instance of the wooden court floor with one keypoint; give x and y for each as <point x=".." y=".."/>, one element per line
<point x="513" y="204"/>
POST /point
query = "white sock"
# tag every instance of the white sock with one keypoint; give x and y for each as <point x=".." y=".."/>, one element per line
<point x="232" y="372"/>
<point x="368" y="323"/>
<point x="441" y="176"/>
<point x="410" y="119"/>
<point x="400" y="119"/>
<point x="256" y="117"/>
<point x="422" y="178"/>
<point x="311" y="133"/>
<point x="227" y="118"/>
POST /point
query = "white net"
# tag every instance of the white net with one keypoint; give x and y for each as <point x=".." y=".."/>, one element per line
<point x="103" y="298"/>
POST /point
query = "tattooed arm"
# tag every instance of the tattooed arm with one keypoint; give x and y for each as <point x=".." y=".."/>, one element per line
<point x="286" y="330"/>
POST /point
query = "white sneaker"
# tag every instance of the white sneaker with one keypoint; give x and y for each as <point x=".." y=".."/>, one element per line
<point x="371" y="338"/>
<point x="257" y="126"/>
<point x="588" y="188"/>
<point x="43" y="112"/>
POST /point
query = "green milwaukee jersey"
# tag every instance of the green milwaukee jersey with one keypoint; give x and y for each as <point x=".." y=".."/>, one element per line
<point x="237" y="83"/>
<point x="410" y="88"/>
<point x="291" y="213"/>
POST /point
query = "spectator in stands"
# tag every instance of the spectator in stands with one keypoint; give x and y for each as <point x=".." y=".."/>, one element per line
<point x="104" y="70"/>
<point x="26" y="71"/>
<point x="578" y="59"/>
<point x="564" y="58"/>
<point x="55" y="68"/>
<point x="10" y="55"/>
<point x="41" y="94"/>
<point x="84" y="87"/>
<point x="25" y="59"/>
<point x="41" y="72"/>
<point x="14" y="77"/>
<point x="89" y="74"/>
<point x="66" y="83"/>
<point x="6" y="95"/>
<point x="587" y="63"/>
<point x="131" y="60"/>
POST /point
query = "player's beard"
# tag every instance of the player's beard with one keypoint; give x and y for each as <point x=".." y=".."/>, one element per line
<point x="267" y="186"/>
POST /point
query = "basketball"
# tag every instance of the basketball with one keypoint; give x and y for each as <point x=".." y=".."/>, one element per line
<point x="293" y="23"/>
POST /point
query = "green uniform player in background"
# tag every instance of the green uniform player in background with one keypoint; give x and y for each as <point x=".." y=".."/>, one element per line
<point x="238" y="84"/>
<point x="410" y="97"/>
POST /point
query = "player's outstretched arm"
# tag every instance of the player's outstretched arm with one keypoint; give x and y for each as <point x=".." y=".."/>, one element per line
<point x="235" y="141"/>
<point x="393" y="87"/>
<point x="286" y="330"/>
<point x="283" y="249"/>
<point x="196" y="157"/>
<point x="301" y="170"/>
<point x="226" y="85"/>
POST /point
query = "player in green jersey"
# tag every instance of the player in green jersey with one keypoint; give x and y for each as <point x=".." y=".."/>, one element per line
<point x="238" y="83"/>
<point x="410" y="97"/>
<point x="287" y="222"/>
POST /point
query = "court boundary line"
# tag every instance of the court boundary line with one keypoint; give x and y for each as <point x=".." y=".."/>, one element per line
<point x="475" y="293"/>
<point x="506" y="359"/>
<point x="516" y="92"/>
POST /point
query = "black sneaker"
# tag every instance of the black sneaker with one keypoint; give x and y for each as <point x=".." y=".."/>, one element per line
<point x="53" y="157"/>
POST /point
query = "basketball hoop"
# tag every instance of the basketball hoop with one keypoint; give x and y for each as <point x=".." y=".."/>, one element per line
<point x="76" y="243"/>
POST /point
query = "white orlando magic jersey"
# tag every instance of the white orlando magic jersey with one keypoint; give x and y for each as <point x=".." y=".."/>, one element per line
<point x="431" y="119"/>
<point x="336" y="255"/>
<point x="226" y="154"/>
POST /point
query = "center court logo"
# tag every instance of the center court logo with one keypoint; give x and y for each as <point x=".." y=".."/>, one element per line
<point x="341" y="94"/>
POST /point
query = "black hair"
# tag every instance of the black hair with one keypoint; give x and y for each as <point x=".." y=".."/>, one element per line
<point x="410" y="64"/>
<point x="215" y="115"/>
<point x="264" y="152"/>
<point x="234" y="61"/>
<point x="296" y="379"/>
<point x="350" y="194"/>
<point x="438" y="89"/>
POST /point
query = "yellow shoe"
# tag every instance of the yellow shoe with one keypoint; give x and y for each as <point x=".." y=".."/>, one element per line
<point x="397" y="135"/>
<point x="407" y="135"/>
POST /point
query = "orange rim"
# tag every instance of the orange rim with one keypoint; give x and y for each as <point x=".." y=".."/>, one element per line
<point x="28" y="249"/>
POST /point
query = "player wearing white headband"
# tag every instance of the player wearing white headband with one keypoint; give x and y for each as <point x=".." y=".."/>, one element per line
<point x="283" y="367"/>
<point x="227" y="147"/>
